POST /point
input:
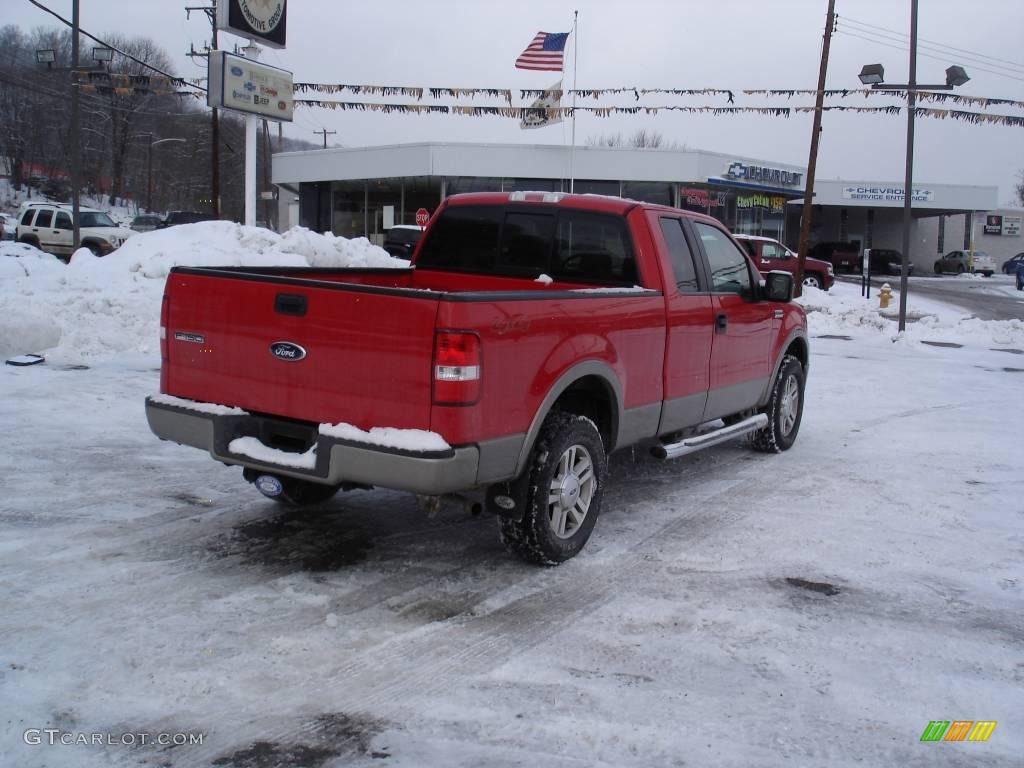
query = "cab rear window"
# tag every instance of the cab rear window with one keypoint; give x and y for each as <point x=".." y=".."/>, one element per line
<point x="576" y="246"/>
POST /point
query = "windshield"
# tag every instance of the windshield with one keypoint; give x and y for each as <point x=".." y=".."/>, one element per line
<point x="90" y="219"/>
<point x="409" y="236"/>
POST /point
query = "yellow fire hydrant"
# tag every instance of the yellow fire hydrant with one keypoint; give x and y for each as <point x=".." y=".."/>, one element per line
<point x="884" y="294"/>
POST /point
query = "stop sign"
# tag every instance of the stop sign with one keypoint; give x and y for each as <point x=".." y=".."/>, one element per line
<point x="422" y="217"/>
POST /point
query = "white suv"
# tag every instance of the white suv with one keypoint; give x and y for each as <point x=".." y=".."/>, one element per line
<point x="47" y="226"/>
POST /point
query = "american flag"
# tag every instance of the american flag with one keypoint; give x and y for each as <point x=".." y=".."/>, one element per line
<point x="546" y="52"/>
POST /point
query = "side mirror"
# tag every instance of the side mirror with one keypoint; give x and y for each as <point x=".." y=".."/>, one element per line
<point x="778" y="286"/>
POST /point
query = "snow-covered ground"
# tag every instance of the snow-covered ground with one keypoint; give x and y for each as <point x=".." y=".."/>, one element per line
<point x="814" y="608"/>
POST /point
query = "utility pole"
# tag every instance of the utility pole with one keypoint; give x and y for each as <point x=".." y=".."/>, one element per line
<point x="812" y="160"/>
<point x="76" y="229"/>
<point x="324" y="131"/>
<point x="267" y="204"/>
<point x="211" y="13"/>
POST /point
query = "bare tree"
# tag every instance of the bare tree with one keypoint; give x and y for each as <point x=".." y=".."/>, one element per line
<point x="642" y="138"/>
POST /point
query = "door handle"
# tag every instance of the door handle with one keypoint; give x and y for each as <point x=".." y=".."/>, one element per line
<point x="721" y="323"/>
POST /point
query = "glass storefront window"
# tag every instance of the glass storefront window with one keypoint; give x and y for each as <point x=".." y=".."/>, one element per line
<point x="656" y="192"/>
<point x="457" y="185"/>
<point x="348" y="218"/>
<point x="419" y="192"/>
<point x="531" y="185"/>
<point x="589" y="187"/>
<point x="381" y="193"/>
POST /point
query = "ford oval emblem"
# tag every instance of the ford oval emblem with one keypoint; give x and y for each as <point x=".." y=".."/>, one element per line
<point x="285" y="350"/>
<point x="237" y="71"/>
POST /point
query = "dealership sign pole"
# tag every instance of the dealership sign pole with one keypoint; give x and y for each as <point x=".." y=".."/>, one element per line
<point x="243" y="85"/>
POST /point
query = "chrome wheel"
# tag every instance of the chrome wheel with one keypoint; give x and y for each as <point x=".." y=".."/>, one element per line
<point x="571" y="491"/>
<point x="790" y="404"/>
<point x="811" y="281"/>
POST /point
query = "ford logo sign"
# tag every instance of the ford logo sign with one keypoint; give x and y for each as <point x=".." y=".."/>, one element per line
<point x="285" y="350"/>
<point x="236" y="71"/>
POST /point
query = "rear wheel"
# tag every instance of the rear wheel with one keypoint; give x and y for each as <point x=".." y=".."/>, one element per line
<point x="938" y="268"/>
<point x="566" y="483"/>
<point x="785" y="409"/>
<point x="959" y="269"/>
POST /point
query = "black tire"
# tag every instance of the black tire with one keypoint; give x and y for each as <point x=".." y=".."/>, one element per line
<point x="959" y="269"/>
<point x="938" y="268"/>
<point x="93" y="249"/>
<point x="987" y="273"/>
<point x="812" y="280"/>
<point x="552" y="530"/>
<point x="783" y="423"/>
<point x="1020" y="282"/>
<point x="29" y="241"/>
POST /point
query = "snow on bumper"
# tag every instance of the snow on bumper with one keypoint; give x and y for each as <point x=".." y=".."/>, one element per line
<point x="233" y="438"/>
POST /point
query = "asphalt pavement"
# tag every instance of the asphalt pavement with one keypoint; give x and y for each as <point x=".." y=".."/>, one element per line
<point x="987" y="298"/>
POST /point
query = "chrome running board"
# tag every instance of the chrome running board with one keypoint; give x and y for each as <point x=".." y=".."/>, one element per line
<point x="699" y="442"/>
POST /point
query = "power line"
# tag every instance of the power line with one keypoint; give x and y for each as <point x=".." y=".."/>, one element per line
<point x="111" y="47"/>
<point x="927" y="55"/>
<point x="946" y="53"/>
<point x="933" y="42"/>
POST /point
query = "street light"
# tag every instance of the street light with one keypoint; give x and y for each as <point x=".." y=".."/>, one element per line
<point x="874" y="75"/>
<point x="149" y="169"/>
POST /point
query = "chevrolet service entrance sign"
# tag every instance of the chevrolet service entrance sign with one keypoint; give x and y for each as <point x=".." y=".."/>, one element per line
<point x="261" y="20"/>
<point x="245" y="86"/>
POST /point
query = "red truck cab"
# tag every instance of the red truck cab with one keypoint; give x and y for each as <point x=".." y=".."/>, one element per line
<point x="534" y="334"/>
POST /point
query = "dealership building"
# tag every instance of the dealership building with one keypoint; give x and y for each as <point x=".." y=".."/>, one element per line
<point x="355" y="192"/>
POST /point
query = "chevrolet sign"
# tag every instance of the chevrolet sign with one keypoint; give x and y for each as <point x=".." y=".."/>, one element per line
<point x="886" y="194"/>
<point x="760" y="174"/>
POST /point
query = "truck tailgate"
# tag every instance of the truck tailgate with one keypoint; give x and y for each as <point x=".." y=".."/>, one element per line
<point x="367" y="350"/>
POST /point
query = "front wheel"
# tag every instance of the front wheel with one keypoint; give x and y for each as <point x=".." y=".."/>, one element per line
<point x="785" y="409"/>
<point x="812" y="281"/>
<point x="959" y="269"/>
<point x="566" y="483"/>
<point x="938" y="268"/>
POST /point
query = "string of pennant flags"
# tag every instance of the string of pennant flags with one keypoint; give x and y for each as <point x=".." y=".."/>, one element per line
<point x="521" y="113"/>
<point x="506" y="94"/>
<point x="106" y="82"/>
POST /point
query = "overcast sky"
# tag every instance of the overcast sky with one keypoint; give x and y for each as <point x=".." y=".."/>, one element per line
<point x="735" y="44"/>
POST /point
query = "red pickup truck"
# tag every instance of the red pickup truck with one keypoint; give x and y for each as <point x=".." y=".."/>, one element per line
<point x="534" y="334"/>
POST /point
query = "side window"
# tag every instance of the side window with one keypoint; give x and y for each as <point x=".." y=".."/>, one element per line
<point x="26" y="220"/>
<point x="593" y="248"/>
<point x="729" y="270"/>
<point x="679" y="253"/>
<point x="772" y="251"/>
<point x="751" y="248"/>
<point x="464" y="237"/>
<point x="525" y="244"/>
<point x="44" y="218"/>
<point x="63" y="221"/>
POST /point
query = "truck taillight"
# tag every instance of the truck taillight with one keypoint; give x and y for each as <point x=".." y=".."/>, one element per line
<point x="457" y="368"/>
<point x="165" y="311"/>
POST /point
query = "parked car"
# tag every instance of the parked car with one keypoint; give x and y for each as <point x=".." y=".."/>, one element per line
<point x="844" y="257"/>
<point x="769" y="254"/>
<point x="887" y="261"/>
<point x="146" y="222"/>
<point x="185" y="217"/>
<point x="401" y="239"/>
<point x="1011" y="264"/>
<point x="960" y="262"/>
<point x="1020" y="277"/>
<point x="7" y="226"/>
<point x="471" y="375"/>
<point x="48" y="226"/>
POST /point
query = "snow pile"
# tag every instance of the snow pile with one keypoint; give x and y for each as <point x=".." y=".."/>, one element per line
<point x="844" y="312"/>
<point x="96" y="308"/>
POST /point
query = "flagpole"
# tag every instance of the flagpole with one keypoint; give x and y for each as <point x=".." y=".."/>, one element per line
<point x="572" y="151"/>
